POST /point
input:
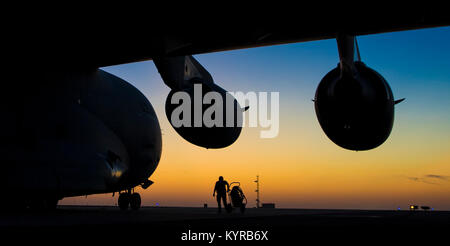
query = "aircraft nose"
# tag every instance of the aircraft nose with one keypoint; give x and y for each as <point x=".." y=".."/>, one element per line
<point x="149" y="148"/>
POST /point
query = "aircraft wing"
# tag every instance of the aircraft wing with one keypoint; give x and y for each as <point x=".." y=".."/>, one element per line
<point x="115" y="42"/>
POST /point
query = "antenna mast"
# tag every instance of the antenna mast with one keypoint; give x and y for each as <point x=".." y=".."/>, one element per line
<point x="257" y="191"/>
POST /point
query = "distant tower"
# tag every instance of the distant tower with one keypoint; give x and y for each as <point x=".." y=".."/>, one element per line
<point x="257" y="191"/>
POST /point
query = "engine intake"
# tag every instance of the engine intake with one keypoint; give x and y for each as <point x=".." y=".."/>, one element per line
<point x="355" y="109"/>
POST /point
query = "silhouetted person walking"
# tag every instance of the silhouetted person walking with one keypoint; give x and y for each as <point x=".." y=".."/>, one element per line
<point x="221" y="192"/>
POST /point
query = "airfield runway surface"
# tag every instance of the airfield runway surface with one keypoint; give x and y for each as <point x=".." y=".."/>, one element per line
<point x="183" y="225"/>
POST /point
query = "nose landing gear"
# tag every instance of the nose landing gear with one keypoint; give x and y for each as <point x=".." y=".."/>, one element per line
<point x="129" y="199"/>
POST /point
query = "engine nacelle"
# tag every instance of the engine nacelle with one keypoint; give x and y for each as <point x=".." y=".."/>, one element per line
<point x="355" y="110"/>
<point x="185" y="74"/>
<point x="204" y="135"/>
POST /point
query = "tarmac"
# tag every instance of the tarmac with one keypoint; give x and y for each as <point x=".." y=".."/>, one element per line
<point x="192" y="225"/>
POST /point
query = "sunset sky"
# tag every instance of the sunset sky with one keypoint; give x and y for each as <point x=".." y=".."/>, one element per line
<point x="302" y="168"/>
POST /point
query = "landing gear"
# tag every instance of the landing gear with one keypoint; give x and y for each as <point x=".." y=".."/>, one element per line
<point x="129" y="199"/>
<point x="135" y="201"/>
<point x="124" y="200"/>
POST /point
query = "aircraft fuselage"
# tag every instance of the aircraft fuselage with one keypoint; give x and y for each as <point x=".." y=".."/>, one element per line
<point x="75" y="133"/>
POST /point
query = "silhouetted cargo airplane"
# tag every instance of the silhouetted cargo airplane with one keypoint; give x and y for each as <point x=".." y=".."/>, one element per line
<point x="71" y="129"/>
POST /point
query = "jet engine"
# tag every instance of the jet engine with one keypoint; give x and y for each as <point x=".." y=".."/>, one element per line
<point x="354" y="104"/>
<point x="199" y="110"/>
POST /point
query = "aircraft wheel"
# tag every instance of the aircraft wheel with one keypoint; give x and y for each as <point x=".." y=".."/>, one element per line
<point x="124" y="201"/>
<point x="135" y="201"/>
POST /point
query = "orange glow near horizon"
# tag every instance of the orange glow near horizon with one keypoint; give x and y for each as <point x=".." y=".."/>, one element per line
<point x="301" y="168"/>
